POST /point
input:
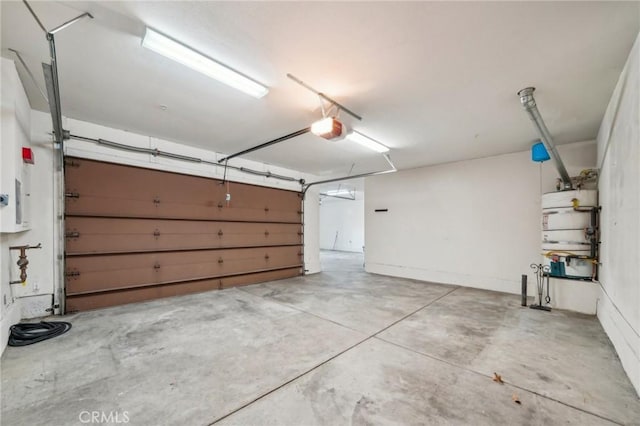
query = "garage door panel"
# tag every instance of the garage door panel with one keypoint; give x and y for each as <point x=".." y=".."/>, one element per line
<point x="86" y="235"/>
<point x="82" y="204"/>
<point x="94" y="189"/>
<point x="134" y="233"/>
<point x="98" y="273"/>
<point x="90" y="301"/>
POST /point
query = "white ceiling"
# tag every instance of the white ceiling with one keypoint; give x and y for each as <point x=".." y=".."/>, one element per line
<point x="436" y="82"/>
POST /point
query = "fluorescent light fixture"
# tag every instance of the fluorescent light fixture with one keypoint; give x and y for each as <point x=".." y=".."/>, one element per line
<point x="339" y="192"/>
<point x="172" y="49"/>
<point x="366" y="141"/>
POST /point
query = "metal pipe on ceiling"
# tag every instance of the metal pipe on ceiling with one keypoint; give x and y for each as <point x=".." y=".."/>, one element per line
<point x="70" y="22"/>
<point x="35" y="16"/>
<point x="158" y="153"/>
<point x="266" y="144"/>
<point x="529" y="104"/>
<point x="325" y="97"/>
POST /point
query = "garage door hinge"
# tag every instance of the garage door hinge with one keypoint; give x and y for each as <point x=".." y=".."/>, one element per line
<point x="73" y="234"/>
<point x="72" y="195"/>
<point x="72" y="274"/>
<point x="71" y="163"/>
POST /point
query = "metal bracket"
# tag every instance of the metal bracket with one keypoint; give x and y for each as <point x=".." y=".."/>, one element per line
<point x="383" y="172"/>
<point x="31" y="76"/>
<point x="51" y="76"/>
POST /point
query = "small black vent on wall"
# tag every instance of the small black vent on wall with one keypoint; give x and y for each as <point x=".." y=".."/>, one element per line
<point x="381" y="210"/>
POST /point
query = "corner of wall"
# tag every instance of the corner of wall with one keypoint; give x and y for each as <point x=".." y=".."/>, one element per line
<point x="619" y="186"/>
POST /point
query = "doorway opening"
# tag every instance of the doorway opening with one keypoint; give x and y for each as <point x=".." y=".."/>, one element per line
<point x="342" y="242"/>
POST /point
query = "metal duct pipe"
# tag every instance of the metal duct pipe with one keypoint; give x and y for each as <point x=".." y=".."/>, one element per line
<point x="529" y="104"/>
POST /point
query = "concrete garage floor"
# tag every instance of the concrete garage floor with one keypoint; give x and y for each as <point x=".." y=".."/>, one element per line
<point x="336" y="348"/>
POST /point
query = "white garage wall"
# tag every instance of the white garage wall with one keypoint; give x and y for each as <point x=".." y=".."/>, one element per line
<point x="32" y="298"/>
<point x="619" y="184"/>
<point x="342" y="224"/>
<point x="474" y="223"/>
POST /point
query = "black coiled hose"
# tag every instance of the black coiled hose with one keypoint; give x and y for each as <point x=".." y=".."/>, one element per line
<point x="24" y="334"/>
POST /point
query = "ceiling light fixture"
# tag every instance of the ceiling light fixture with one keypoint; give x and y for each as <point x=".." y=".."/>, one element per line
<point x="367" y="142"/>
<point x="328" y="128"/>
<point x="339" y="192"/>
<point x="177" y="51"/>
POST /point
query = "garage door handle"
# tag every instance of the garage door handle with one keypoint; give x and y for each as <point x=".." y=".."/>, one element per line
<point x="220" y="261"/>
<point x="156" y="266"/>
<point x="156" y="200"/>
<point x="220" y="233"/>
<point x="266" y="257"/>
<point x="156" y="233"/>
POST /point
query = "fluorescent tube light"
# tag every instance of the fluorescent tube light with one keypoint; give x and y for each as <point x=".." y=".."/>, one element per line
<point x="366" y="141"/>
<point x="172" y="49"/>
<point x="339" y="192"/>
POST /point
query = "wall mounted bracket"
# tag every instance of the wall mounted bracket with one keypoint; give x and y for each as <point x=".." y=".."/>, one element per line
<point x="51" y="75"/>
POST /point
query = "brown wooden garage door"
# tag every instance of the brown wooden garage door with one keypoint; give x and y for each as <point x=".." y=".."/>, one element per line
<point x="135" y="234"/>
